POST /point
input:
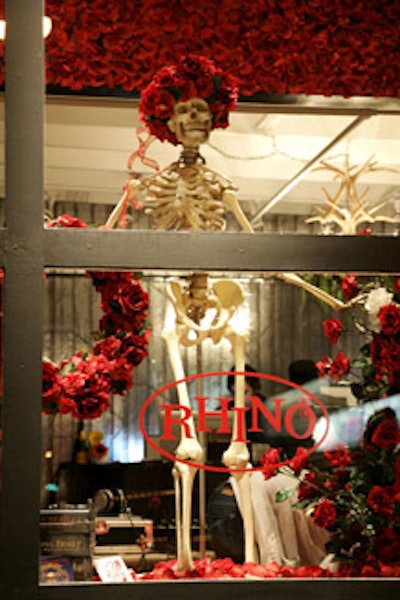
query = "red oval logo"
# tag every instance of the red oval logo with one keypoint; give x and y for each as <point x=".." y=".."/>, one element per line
<point x="178" y="415"/>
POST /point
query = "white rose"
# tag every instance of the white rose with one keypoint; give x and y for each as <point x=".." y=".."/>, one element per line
<point x="376" y="299"/>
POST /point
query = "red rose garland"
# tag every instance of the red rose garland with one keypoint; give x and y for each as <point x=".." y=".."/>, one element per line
<point x="84" y="383"/>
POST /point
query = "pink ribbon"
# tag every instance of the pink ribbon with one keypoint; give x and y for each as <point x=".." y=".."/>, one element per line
<point x="144" y="144"/>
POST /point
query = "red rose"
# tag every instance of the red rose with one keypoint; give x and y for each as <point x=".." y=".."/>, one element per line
<point x="73" y="383"/>
<point x="109" y="346"/>
<point x="380" y="500"/>
<point x="97" y="366"/>
<point x="324" y="514"/>
<point x="134" y="348"/>
<point x="323" y="366"/>
<point x="340" y="457"/>
<point x="350" y="286"/>
<point x="121" y="376"/>
<point x="333" y="329"/>
<point x="396" y="289"/>
<point x="389" y="317"/>
<point x="385" y="353"/>
<point x="91" y="405"/>
<point x="387" y="546"/>
<point x="104" y="280"/>
<point x="397" y="468"/>
<point x="66" y="221"/>
<point x="66" y="405"/>
<point x="52" y="388"/>
<point x="162" y="103"/>
<point x="335" y="368"/>
<point x="299" y="460"/>
<point x="270" y="462"/>
<point x="386" y="434"/>
<point x="132" y="299"/>
<point x="308" y="487"/>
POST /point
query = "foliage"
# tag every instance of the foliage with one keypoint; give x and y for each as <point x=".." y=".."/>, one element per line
<point x="355" y="494"/>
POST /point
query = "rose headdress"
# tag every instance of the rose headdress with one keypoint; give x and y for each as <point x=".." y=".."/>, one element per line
<point x="192" y="77"/>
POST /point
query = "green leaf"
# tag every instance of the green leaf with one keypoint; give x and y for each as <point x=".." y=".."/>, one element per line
<point x="282" y="495"/>
<point x="358" y="363"/>
<point x="301" y="504"/>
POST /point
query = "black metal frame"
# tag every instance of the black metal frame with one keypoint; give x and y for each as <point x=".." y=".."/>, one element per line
<point x="26" y="249"/>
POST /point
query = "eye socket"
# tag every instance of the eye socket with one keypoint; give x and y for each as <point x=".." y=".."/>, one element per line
<point x="181" y="108"/>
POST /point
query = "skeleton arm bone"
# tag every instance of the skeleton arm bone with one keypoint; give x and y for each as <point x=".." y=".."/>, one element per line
<point x="133" y="186"/>
<point x="314" y="290"/>
<point x="230" y="199"/>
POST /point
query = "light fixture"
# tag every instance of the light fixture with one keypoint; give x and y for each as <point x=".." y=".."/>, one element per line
<point x="47" y="26"/>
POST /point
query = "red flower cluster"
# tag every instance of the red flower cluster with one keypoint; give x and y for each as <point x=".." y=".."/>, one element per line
<point x="376" y="372"/>
<point x="192" y="77"/>
<point x="337" y="367"/>
<point x="84" y="383"/>
<point x="314" y="47"/>
<point x="355" y="495"/>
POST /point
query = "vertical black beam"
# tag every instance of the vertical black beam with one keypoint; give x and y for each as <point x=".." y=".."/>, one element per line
<point x="23" y="297"/>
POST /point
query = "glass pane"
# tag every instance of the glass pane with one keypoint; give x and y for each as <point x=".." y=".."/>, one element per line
<point x="314" y="166"/>
<point x="108" y="488"/>
<point x="1" y="377"/>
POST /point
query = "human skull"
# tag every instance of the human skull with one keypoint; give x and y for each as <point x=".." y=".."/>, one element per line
<point x="191" y="122"/>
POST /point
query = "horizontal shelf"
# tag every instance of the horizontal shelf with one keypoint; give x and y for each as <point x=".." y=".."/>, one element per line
<point x="160" y="251"/>
<point x="230" y="251"/>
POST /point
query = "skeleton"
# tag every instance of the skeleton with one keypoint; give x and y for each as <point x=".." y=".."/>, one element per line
<point x="196" y="312"/>
<point x="186" y="195"/>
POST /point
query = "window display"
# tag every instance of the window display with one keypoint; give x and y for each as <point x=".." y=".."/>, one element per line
<point x="88" y="504"/>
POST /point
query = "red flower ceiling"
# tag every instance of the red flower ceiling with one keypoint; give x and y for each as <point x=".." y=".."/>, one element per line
<point x="339" y="47"/>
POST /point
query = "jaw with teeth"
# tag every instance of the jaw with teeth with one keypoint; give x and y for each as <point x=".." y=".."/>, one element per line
<point x="191" y="122"/>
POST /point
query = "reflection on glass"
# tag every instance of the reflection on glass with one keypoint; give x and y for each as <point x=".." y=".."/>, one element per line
<point x="111" y="490"/>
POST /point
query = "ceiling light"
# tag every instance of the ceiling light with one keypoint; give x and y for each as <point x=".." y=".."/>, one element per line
<point x="47" y="26"/>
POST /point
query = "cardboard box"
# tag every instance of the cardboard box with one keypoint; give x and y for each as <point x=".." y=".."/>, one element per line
<point x="70" y="534"/>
